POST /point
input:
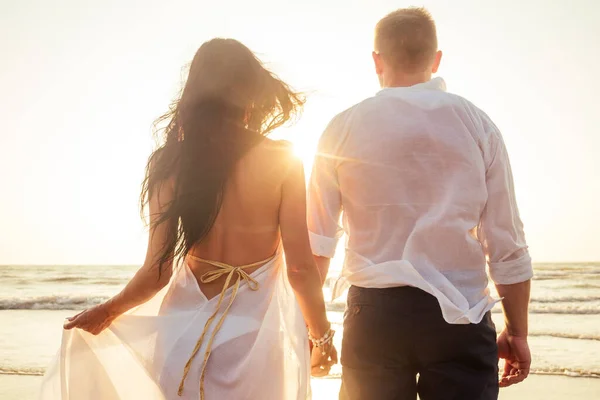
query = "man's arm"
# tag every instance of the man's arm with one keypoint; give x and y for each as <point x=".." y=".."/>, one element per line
<point x="515" y="303"/>
<point x="503" y="240"/>
<point x="323" y="266"/>
<point x="324" y="201"/>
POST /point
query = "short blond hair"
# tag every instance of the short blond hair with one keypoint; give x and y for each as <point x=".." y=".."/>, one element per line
<point x="407" y="39"/>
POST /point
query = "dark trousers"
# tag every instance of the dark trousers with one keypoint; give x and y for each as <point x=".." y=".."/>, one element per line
<point x="393" y="335"/>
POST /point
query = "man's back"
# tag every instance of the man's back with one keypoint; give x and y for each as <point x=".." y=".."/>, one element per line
<point x="412" y="178"/>
<point x="423" y="179"/>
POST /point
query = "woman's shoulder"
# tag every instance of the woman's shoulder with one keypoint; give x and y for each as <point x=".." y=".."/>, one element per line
<point x="279" y="154"/>
<point x="278" y="144"/>
<point x="278" y="148"/>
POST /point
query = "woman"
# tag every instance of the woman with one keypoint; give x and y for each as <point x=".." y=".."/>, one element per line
<point x="221" y="197"/>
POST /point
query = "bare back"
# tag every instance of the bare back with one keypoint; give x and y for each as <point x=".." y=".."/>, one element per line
<point x="246" y="229"/>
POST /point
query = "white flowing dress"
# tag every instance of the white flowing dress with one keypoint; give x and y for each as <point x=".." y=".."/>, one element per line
<point x="259" y="352"/>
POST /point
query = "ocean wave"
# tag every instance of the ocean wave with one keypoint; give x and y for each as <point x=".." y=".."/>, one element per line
<point x="108" y="281"/>
<point x="539" y="308"/>
<point x="565" y="335"/>
<point x="60" y="279"/>
<point x="51" y="303"/>
<point x="583" y="286"/>
<point x="566" y="299"/>
<point x="553" y="308"/>
<point x="576" y="309"/>
<point x="33" y="371"/>
<point x="73" y="279"/>
<point x="87" y="280"/>
<point x="567" y="267"/>
<point x="76" y="302"/>
<point x="567" y="276"/>
<point x="573" y="373"/>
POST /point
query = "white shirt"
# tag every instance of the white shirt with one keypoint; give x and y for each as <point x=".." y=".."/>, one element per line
<point x="425" y="185"/>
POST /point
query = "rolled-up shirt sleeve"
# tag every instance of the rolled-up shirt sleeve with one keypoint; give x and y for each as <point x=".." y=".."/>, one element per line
<point x="324" y="198"/>
<point x="501" y="229"/>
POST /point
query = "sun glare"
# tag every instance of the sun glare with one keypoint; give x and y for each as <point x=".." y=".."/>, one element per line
<point x="304" y="151"/>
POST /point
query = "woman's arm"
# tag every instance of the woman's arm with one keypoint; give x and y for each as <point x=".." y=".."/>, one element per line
<point x="146" y="282"/>
<point x="302" y="270"/>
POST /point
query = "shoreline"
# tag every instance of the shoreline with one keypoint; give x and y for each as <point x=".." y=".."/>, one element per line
<point x="566" y="374"/>
<point x="536" y="387"/>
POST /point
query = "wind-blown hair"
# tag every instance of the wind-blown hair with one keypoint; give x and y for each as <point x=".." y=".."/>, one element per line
<point x="228" y="104"/>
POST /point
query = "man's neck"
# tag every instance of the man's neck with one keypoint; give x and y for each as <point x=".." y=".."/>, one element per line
<point x="405" y="80"/>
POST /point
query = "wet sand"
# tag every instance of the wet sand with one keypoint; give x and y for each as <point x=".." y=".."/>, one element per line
<point x="536" y="387"/>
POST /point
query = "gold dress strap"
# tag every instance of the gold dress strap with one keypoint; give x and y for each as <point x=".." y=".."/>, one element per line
<point x="210" y="276"/>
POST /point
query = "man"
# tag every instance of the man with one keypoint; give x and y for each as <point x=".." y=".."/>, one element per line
<point x="426" y="189"/>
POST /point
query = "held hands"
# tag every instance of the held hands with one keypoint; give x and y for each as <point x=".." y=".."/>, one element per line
<point x="515" y="352"/>
<point x="320" y="363"/>
<point x="323" y="353"/>
<point x="93" y="320"/>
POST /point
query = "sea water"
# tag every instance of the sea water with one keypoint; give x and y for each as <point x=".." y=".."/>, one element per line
<point x="34" y="300"/>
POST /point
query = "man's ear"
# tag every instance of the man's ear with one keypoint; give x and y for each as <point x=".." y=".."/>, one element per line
<point x="378" y="63"/>
<point x="436" y="62"/>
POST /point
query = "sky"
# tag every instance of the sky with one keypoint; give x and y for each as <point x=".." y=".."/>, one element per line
<point x="82" y="81"/>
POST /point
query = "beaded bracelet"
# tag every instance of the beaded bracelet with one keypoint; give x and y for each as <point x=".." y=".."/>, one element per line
<point x="327" y="338"/>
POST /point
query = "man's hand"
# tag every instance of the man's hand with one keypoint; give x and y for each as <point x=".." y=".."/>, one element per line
<point x="515" y="352"/>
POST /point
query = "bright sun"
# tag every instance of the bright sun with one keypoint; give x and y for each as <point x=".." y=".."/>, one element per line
<point x="305" y="151"/>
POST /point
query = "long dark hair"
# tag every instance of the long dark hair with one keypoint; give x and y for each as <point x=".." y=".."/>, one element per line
<point x="228" y="104"/>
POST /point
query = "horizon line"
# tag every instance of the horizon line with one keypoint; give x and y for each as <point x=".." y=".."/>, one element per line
<point x="133" y="265"/>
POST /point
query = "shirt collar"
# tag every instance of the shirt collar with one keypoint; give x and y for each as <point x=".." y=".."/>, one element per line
<point x="437" y="83"/>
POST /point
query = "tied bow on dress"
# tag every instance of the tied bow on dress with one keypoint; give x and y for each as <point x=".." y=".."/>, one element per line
<point x="211" y="276"/>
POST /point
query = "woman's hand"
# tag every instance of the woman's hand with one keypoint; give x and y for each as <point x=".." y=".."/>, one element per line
<point x="93" y="320"/>
<point x="321" y="364"/>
